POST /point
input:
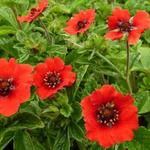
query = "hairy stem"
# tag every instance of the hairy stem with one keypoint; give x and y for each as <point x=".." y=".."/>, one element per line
<point x="127" y="67"/>
<point x="46" y="31"/>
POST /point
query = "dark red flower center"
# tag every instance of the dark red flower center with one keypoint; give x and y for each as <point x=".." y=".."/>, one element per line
<point x="107" y="114"/>
<point x="6" y="86"/>
<point x="33" y="11"/>
<point x="81" y="24"/>
<point x="124" y="26"/>
<point x="52" y="79"/>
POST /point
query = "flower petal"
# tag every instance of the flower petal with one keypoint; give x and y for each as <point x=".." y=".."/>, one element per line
<point x="32" y="15"/>
<point x="141" y="20"/>
<point x="19" y="78"/>
<point x="134" y="36"/>
<point x="55" y="64"/>
<point x="122" y="129"/>
<point x="58" y="75"/>
<point x="9" y="106"/>
<point x="113" y="35"/>
<point x="72" y="24"/>
<point x="121" y="14"/>
<point x="112" y="22"/>
<point x="68" y="76"/>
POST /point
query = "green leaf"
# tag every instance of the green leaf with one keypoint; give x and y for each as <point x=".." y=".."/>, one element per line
<point x="95" y="146"/>
<point x="7" y="30"/>
<point x="143" y="102"/>
<point x="22" y="141"/>
<point x="140" y="141"/>
<point x="76" y="131"/>
<point x="62" y="98"/>
<point x="51" y="108"/>
<point x="76" y="4"/>
<point x="59" y="8"/>
<point x="90" y="85"/>
<point x="6" y="139"/>
<point x="77" y="111"/>
<point x="80" y="75"/>
<point x="38" y="145"/>
<point x="12" y="2"/>
<point x="58" y="50"/>
<point x="8" y="14"/>
<point x="21" y="1"/>
<point x="146" y="36"/>
<point x="62" y="141"/>
<point x="66" y="110"/>
<point x="21" y="36"/>
<point x="145" y="57"/>
<point x="26" y="120"/>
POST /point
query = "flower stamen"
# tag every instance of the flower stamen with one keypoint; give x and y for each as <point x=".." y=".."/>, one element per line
<point x="124" y="26"/>
<point x="107" y="114"/>
<point x="52" y="79"/>
<point x="81" y="24"/>
<point x="6" y="86"/>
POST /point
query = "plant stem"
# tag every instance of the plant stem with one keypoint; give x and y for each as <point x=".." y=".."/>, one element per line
<point x="128" y="58"/>
<point x="110" y="63"/>
<point x="15" y="13"/>
<point x="75" y="44"/>
<point x="127" y="67"/>
<point x="46" y="31"/>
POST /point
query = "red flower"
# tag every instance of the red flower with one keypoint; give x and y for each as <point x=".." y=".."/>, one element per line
<point x="120" y="23"/>
<point x="80" y="22"/>
<point x="110" y="117"/>
<point x="52" y="76"/>
<point x="15" y="82"/>
<point x="34" y="12"/>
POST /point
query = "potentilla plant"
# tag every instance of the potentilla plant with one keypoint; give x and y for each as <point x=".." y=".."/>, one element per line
<point x="66" y="83"/>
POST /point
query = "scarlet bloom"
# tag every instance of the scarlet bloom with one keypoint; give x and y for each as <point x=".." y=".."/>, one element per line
<point x="79" y="23"/>
<point x="110" y="117"/>
<point x="34" y="12"/>
<point x="51" y="76"/>
<point x="15" y="82"/>
<point x="120" y="23"/>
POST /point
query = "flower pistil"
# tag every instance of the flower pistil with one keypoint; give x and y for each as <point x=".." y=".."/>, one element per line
<point x="6" y="86"/>
<point x="107" y="114"/>
<point x="52" y="79"/>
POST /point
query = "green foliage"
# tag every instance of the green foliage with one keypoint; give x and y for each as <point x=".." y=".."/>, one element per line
<point x="23" y="141"/>
<point x="77" y="112"/>
<point x="143" y="101"/>
<point x="66" y="110"/>
<point x="7" y="138"/>
<point x="8" y="14"/>
<point x="145" y="55"/>
<point x="76" y="131"/>
<point x="62" y="141"/>
<point x="21" y="121"/>
<point x="56" y="123"/>
<point x="140" y="143"/>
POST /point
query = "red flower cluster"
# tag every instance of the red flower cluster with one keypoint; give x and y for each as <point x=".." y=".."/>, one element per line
<point x="120" y="23"/>
<point x="15" y="82"/>
<point x="34" y="12"/>
<point x="80" y="22"/>
<point x="110" y="117"/>
<point x="51" y="76"/>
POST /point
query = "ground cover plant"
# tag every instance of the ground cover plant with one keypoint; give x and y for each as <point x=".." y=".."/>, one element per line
<point x="74" y="75"/>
